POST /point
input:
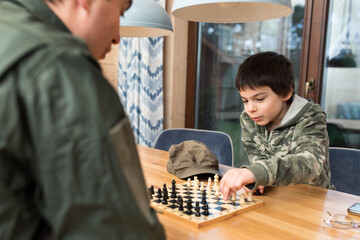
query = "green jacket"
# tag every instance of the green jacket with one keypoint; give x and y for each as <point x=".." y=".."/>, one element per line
<point x="295" y="152"/>
<point x="68" y="160"/>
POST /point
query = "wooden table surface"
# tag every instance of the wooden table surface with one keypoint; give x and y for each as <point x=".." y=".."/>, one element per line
<point x="293" y="212"/>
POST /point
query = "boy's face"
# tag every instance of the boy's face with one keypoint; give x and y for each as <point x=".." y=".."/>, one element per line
<point x="102" y="25"/>
<point x="264" y="106"/>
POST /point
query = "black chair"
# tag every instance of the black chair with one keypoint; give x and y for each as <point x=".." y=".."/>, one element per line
<point x="218" y="142"/>
<point x="345" y="169"/>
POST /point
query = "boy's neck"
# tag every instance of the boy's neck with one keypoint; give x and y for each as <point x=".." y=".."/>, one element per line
<point x="276" y="122"/>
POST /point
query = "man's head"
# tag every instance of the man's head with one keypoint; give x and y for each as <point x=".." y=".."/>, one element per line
<point x="267" y="69"/>
<point x="94" y="21"/>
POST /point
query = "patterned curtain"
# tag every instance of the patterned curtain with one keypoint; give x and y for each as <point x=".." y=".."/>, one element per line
<point x="140" y="85"/>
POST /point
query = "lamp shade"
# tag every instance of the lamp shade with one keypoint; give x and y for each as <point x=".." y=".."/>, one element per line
<point x="230" y="11"/>
<point x="145" y="18"/>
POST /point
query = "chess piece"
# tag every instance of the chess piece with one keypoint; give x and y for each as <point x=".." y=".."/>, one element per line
<point x="164" y="200"/>
<point x="180" y="202"/>
<point x="173" y="183"/>
<point x="242" y="199"/>
<point x="151" y="190"/>
<point x="217" y="191"/>
<point x="197" y="209"/>
<point x="159" y="195"/>
<point x="181" y="207"/>
<point x="188" y="182"/>
<point x="249" y="197"/>
<point x="216" y="178"/>
<point x="202" y="186"/>
<point x="203" y="198"/>
<point x="233" y="197"/>
<point x="208" y="187"/>
<point x="206" y="210"/>
<point x="189" y="207"/>
<point x="195" y="186"/>
<point x="173" y="193"/>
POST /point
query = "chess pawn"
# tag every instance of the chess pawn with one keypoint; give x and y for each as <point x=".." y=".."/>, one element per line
<point x="249" y="197"/>
<point x="208" y="187"/>
<point x="216" y="178"/>
<point x="202" y="186"/>
<point x="242" y="199"/>
<point x="188" y="182"/>
<point x="233" y="197"/>
<point x="196" y="186"/>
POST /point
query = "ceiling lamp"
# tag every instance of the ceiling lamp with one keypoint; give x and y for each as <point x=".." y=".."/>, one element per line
<point x="230" y="11"/>
<point x="145" y="18"/>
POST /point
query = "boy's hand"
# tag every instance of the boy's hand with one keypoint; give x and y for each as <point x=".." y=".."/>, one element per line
<point x="234" y="180"/>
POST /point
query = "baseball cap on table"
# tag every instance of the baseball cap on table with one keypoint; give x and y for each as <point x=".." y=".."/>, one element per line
<point x="190" y="158"/>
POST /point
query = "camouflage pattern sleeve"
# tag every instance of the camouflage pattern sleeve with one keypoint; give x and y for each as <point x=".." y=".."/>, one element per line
<point x="294" y="153"/>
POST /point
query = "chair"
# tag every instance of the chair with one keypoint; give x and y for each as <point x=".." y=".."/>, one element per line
<point x="345" y="169"/>
<point x="218" y="142"/>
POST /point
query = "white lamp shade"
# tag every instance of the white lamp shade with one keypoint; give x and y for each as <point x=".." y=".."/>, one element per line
<point x="145" y="18"/>
<point x="230" y="11"/>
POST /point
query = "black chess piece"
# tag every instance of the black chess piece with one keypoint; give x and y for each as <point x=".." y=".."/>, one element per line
<point x="203" y="198"/>
<point x="164" y="200"/>
<point x="151" y="189"/>
<point x="197" y="211"/>
<point x="165" y="191"/>
<point x="206" y="210"/>
<point x="173" y="193"/>
<point x="181" y="206"/>
<point x="173" y="183"/>
<point x="189" y="207"/>
<point x="159" y="195"/>
<point x="166" y="195"/>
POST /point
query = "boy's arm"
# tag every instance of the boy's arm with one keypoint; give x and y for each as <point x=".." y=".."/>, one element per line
<point x="303" y="165"/>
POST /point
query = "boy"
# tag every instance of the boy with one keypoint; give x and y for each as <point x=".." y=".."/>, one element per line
<point x="68" y="160"/>
<point x="284" y="135"/>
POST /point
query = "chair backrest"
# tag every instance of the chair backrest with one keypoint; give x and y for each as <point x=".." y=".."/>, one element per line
<point x="218" y="142"/>
<point x="345" y="169"/>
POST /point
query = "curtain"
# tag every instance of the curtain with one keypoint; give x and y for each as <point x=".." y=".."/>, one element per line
<point x="140" y="85"/>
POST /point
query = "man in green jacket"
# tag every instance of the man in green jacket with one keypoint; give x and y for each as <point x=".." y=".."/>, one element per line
<point x="68" y="161"/>
<point x="284" y="135"/>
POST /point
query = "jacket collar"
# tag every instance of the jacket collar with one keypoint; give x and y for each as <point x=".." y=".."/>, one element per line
<point x="39" y="9"/>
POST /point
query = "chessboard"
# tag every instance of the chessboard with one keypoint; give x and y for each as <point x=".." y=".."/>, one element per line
<point x="199" y="205"/>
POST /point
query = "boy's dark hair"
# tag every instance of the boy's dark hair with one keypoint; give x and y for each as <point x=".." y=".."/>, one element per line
<point x="267" y="69"/>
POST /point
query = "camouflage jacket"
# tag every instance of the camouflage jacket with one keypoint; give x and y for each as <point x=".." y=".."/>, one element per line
<point x="295" y="152"/>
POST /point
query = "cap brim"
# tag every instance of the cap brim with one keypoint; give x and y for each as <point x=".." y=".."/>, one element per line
<point x="197" y="171"/>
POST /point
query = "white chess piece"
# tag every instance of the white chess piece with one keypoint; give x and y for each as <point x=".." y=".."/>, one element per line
<point x="233" y="197"/>
<point x="188" y="182"/>
<point x="216" y="178"/>
<point x="217" y="191"/>
<point x="209" y="185"/>
<point x="242" y="199"/>
<point x="249" y="197"/>
<point x="202" y="186"/>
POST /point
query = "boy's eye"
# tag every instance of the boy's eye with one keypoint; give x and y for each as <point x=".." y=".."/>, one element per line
<point x="260" y="99"/>
<point x="245" y="101"/>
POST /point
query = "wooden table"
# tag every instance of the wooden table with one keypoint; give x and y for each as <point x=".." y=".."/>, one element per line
<point x="293" y="212"/>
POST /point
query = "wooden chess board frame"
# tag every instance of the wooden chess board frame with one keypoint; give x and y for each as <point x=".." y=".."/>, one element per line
<point x="203" y="220"/>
